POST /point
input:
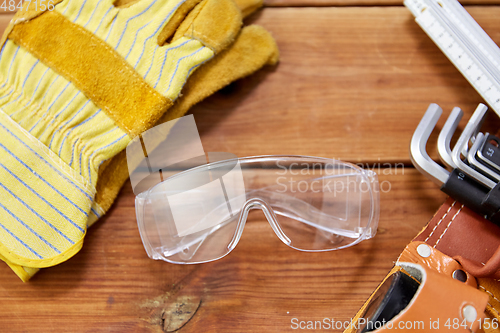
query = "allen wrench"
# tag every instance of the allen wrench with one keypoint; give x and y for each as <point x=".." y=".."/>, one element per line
<point x="470" y="129"/>
<point x="446" y="134"/>
<point x="485" y="159"/>
<point x="468" y="186"/>
<point x="480" y="139"/>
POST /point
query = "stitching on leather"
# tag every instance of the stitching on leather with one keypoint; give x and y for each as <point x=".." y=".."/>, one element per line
<point x="490" y="293"/>
<point x="493" y="308"/>
<point x="453" y="218"/>
<point x="203" y="39"/>
<point x="441" y="220"/>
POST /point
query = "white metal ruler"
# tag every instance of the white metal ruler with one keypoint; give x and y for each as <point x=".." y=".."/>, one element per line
<point x="464" y="42"/>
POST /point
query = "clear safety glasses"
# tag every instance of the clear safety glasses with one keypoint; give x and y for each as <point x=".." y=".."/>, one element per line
<point x="189" y="215"/>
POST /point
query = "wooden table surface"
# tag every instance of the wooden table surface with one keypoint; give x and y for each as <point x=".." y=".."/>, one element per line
<point x="354" y="79"/>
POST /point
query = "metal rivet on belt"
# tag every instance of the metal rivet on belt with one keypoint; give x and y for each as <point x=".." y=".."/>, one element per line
<point x="469" y="313"/>
<point x="460" y="275"/>
<point x="424" y="250"/>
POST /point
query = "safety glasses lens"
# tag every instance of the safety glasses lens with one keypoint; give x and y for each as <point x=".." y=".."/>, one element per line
<point x="312" y="204"/>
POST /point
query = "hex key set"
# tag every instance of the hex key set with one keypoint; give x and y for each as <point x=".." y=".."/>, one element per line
<point x="473" y="164"/>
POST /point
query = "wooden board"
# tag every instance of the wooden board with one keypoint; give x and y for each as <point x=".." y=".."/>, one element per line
<point x="295" y="3"/>
<point x="8" y="6"/>
<point x="111" y="285"/>
<point x="352" y="84"/>
<point x="325" y="3"/>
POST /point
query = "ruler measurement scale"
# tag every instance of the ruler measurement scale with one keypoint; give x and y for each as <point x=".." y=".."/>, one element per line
<point x="465" y="44"/>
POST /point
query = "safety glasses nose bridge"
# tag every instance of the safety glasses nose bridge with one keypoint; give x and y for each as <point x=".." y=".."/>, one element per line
<point x="253" y="204"/>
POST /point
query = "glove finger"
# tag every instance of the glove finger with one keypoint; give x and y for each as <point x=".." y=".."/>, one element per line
<point x="169" y="29"/>
<point x="200" y="24"/>
<point x="208" y="29"/>
<point x="254" y="48"/>
<point x="124" y="27"/>
<point x="247" y="7"/>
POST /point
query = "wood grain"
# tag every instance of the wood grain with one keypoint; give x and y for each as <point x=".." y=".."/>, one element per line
<point x="311" y="3"/>
<point x="4" y="21"/>
<point x="325" y="3"/>
<point x="353" y="84"/>
<point x="111" y="285"/>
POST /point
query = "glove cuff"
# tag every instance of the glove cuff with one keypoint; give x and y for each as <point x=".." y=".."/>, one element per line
<point x="35" y="183"/>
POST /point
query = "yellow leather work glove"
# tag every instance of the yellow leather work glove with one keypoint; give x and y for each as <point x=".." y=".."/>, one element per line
<point x="252" y="49"/>
<point x="77" y="82"/>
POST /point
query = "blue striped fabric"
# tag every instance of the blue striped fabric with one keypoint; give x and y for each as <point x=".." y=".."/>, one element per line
<point x="43" y="199"/>
<point x="17" y="238"/>
<point x="34" y="212"/>
<point x="47" y="163"/>
<point x="45" y="214"/>
<point x="24" y="224"/>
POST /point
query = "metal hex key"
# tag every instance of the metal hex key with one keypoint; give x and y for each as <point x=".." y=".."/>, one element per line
<point x="418" y="153"/>
<point x="463" y="141"/>
<point x="471" y="157"/>
<point x="446" y="134"/>
<point x="464" y="184"/>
